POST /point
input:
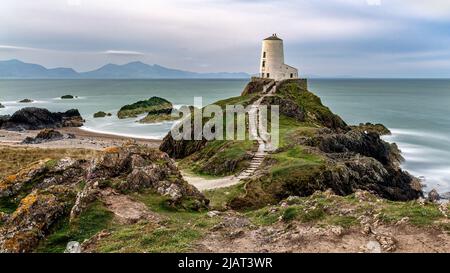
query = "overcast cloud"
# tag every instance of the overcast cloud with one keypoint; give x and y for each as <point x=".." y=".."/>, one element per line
<point x="376" y="38"/>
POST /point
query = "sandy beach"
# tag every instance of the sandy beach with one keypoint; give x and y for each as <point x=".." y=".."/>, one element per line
<point x="83" y="139"/>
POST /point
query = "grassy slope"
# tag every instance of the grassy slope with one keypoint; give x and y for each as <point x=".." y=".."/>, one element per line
<point x="176" y="233"/>
<point x="321" y="210"/>
<point x="208" y="161"/>
<point x="94" y="219"/>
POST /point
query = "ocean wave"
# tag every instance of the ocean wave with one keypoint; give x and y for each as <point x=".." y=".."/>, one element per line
<point x="416" y="133"/>
<point x="148" y="136"/>
<point x="423" y="158"/>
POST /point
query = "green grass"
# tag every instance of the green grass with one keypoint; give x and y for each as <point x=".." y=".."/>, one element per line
<point x="220" y="197"/>
<point x="290" y="214"/>
<point x="291" y="129"/>
<point x="420" y="215"/>
<point x="322" y="210"/>
<point x="180" y="229"/>
<point x="292" y="159"/>
<point x="317" y="113"/>
<point x="219" y="158"/>
<point x="94" y="219"/>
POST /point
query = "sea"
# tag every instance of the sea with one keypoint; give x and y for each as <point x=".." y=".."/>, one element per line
<point x="417" y="111"/>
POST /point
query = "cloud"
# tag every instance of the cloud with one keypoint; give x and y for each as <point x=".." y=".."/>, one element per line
<point x="319" y="34"/>
<point x="16" y="48"/>
<point x="123" y="53"/>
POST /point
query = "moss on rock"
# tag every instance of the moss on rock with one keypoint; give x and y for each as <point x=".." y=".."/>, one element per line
<point x="154" y="105"/>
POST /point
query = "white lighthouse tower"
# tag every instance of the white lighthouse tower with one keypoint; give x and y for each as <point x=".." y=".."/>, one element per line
<point x="272" y="61"/>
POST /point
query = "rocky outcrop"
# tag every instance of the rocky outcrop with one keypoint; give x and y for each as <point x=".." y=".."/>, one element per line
<point x="32" y="118"/>
<point x="26" y="101"/>
<point x="52" y="189"/>
<point x="2" y="106"/>
<point x="256" y="85"/>
<point x="356" y="141"/>
<point x="36" y="213"/>
<point x="133" y="168"/>
<point x="45" y="135"/>
<point x="180" y="148"/>
<point x="67" y="97"/>
<point x="154" y="105"/>
<point x="287" y="107"/>
<point x="3" y="119"/>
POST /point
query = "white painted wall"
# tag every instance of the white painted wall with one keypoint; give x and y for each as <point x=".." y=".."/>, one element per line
<point x="272" y="61"/>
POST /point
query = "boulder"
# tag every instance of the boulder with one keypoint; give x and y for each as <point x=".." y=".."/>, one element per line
<point x="67" y="97"/>
<point x="26" y="101"/>
<point x="45" y="135"/>
<point x="73" y="247"/>
<point x="433" y="196"/>
<point x="36" y="213"/>
<point x="32" y="118"/>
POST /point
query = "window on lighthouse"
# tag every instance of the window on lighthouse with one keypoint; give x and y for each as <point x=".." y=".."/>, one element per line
<point x="264" y="54"/>
<point x="264" y="64"/>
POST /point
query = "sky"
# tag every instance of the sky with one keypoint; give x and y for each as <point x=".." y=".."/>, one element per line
<point x="325" y="38"/>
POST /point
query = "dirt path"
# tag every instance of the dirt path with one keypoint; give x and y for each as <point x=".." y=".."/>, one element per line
<point x="203" y="184"/>
<point x="127" y="210"/>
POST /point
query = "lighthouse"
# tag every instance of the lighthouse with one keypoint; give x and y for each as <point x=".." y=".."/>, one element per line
<point x="272" y="61"/>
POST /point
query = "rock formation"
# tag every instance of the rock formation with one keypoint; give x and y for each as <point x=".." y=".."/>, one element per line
<point x="154" y="105"/>
<point x="32" y="118"/>
<point x="46" y="135"/>
<point x="101" y="114"/>
<point x="49" y="190"/>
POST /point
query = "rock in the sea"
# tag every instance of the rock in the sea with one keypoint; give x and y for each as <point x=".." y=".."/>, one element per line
<point x="32" y="118"/>
<point x="2" y="106"/>
<point x="101" y="114"/>
<point x="45" y="135"/>
<point x="73" y="247"/>
<point x="154" y="105"/>
<point x="26" y="101"/>
<point x="67" y="97"/>
<point x="433" y="196"/>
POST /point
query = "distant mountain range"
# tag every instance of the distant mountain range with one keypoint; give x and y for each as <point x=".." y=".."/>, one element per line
<point x="15" y="69"/>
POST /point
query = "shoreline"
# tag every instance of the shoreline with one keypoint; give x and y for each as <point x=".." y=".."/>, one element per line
<point x="83" y="139"/>
<point x="95" y="132"/>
